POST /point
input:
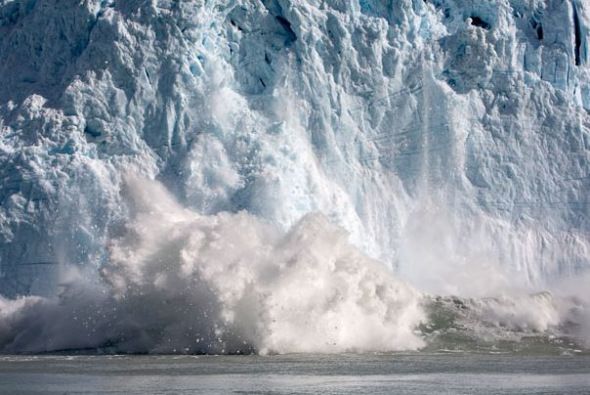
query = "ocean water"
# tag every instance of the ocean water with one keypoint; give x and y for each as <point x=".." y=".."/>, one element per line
<point x="406" y="373"/>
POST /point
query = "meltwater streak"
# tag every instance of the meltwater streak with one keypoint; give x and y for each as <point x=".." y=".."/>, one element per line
<point x="181" y="282"/>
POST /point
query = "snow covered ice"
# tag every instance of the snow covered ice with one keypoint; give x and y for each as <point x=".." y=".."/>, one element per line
<point x="449" y="138"/>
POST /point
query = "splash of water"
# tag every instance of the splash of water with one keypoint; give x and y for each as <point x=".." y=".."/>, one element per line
<point x="181" y="282"/>
<point x="178" y="281"/>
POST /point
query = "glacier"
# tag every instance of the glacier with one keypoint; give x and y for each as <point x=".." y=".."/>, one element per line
<point x="449" y="138"/>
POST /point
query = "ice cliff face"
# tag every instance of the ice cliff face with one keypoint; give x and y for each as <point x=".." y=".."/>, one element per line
<point x="450" y="138"/>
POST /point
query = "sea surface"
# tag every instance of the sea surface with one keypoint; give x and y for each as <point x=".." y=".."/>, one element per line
<point x="409" y="373"/>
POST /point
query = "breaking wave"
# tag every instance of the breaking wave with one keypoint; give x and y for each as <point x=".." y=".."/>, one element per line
<point x="525" y="323"/>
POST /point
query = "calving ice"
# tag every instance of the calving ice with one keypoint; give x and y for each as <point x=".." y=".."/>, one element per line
<point x="233" y="176"/>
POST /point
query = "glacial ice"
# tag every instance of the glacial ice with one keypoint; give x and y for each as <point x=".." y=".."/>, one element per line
<point x="450" y="139"/>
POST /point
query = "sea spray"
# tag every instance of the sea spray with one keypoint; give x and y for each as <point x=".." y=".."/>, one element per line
<point x="181" y="282"/>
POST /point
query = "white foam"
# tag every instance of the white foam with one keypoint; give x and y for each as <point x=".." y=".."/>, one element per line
<point x="178" y="281"/>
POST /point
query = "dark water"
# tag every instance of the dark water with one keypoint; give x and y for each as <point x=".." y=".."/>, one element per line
<point x="416" y="373"/>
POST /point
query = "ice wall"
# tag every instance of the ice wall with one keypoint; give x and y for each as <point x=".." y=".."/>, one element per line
<point x="450" y="138"/>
